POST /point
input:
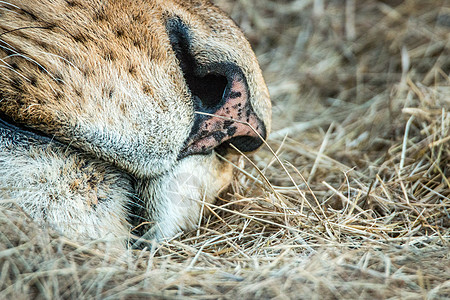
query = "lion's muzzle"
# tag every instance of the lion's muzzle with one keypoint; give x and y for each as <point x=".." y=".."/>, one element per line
<point x="222" y="100"/>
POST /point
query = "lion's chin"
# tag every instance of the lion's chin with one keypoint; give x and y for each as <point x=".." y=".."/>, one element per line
<point x="176" y="200"/>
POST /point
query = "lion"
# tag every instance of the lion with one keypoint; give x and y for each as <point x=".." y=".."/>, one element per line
<point x="117" y="115"/>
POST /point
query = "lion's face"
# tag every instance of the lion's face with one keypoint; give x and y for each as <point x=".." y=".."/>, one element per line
<point x="155" y="88"/>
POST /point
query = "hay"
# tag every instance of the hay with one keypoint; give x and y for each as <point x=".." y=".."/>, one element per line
<point x="355" y="201"/>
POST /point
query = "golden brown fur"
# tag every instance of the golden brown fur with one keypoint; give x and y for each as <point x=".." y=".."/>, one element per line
<point x="101" y="80"/>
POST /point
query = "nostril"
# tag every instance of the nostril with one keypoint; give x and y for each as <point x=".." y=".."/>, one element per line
<point x="209" y="89"/>
<point x="208" y="84"/>
<point x="246" y="143"/>
<point x="243" y="143"/>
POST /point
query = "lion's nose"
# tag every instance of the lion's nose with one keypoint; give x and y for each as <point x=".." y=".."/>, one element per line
<point x="223" y="112"/>
<point x="225" y="119"/>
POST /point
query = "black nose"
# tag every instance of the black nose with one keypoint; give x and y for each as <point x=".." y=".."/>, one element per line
<point x="223" y="113"/>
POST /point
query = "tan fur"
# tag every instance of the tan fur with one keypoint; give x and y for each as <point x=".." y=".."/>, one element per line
<point x="101" y="77"/>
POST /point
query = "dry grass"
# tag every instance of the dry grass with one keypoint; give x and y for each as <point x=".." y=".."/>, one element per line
<point x="355" y="203"/>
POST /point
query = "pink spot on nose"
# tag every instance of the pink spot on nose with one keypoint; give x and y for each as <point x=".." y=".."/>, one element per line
<point x="235" y="118"/>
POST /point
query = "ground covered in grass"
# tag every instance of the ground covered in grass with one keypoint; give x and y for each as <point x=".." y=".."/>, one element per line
<point x="349" y="198"/>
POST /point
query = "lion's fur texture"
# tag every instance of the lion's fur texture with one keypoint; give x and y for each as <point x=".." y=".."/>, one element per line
<point x="101" y="80"/>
